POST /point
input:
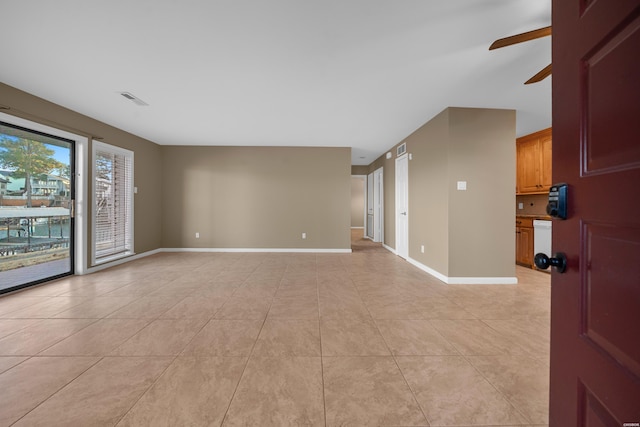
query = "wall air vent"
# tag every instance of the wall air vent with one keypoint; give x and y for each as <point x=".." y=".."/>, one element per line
<point x="402" y="148"/>
<point x="134" y="98"/>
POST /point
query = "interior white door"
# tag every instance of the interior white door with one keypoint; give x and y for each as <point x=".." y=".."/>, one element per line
<point x="402" y="206"/>
<point x="378" y="194"/>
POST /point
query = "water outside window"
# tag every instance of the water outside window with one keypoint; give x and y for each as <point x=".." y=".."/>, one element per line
<point x="36" y="193"/>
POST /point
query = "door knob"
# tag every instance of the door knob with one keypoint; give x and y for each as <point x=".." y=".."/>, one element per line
<point x="559" y="261"/>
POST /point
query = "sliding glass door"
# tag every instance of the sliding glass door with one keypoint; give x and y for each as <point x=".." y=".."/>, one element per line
<point x="36" y="207"/>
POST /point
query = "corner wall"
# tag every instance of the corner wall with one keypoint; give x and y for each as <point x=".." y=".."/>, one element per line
<point x="466" y="234"/>
<point x="147" y="172"/>
<point x="482" y="152"/>
<point x="429" y="208"/>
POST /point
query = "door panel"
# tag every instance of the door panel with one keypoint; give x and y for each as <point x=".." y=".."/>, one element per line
<point x="378" y="208"/>
<point x="402" y="206"/>
<point x="370" y="226"/>
<point x="612" y="284"/>
<point x="606" y="80"/>
<point x="595" y="351"/>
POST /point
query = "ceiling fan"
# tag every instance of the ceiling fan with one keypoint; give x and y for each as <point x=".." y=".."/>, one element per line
<point x="523" y="37"/>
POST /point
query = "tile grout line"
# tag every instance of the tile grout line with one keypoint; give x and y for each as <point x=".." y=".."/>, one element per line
<point x="169" y="365"/>
<point x="17" y="364"/>
<point x="95" y="320"/>
<point x="153" y="383"/>
<point x="393" y="356"/>
<point x="324" y="398"/>
<point x="506" y="398"/>
<point x="60" y="388"/>
<point x="149" y="321"/>
<point x="20" y="330"/>
<point x="244" y="368"/>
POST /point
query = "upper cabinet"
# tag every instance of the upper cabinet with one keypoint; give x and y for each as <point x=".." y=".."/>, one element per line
<point x="533" y="163"/>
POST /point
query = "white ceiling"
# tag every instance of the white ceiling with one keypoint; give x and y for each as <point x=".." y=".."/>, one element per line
<point x="350" y="73"/>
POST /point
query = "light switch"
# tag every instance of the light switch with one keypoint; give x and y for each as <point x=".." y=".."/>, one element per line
<point x="135" y="190"/>
<point x="462" y="185"/>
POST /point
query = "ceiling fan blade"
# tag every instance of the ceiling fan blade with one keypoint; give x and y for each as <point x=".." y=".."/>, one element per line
<point x="519" y="38"/>
<point x="541" y="75"/>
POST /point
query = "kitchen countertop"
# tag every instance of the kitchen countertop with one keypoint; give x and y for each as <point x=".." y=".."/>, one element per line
<point x="533" y="216"/>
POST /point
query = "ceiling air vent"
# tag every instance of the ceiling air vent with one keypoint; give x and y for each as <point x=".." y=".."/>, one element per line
<point x="402" y="148"/>
<point x="134" y="98"/>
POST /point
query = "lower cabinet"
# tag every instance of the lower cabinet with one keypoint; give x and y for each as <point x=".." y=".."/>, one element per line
<point x="524" y="242"/>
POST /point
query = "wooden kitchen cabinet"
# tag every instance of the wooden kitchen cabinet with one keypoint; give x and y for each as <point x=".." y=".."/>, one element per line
<point x="533" y="163"/>
<point x="524" y="241"/>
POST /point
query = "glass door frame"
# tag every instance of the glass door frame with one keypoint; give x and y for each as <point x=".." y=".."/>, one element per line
<point x="78" y="194"/>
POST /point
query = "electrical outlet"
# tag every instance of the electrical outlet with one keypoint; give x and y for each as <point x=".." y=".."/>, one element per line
<point x="520" y="205"/>
<point x="197" y="235"/>
<point x="422" y="248"/>
<point x="304" y="236"/>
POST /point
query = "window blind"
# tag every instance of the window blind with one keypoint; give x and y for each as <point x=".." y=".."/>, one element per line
<point x="113" y="202"/>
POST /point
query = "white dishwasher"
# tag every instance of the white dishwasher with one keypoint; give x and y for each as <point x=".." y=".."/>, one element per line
<point x="542" y="237"/>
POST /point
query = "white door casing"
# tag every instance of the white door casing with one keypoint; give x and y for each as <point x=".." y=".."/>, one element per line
<point x="368" y="232"/>
<point x="378" y="206"/>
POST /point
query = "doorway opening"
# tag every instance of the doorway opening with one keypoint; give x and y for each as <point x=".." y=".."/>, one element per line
<point x="361" y="243"/>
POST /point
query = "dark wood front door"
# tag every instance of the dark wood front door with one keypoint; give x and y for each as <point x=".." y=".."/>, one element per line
<point x="595" y="305"/>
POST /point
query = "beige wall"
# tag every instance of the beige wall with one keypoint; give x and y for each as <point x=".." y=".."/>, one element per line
<point x="465" y="233"/>
<point x="265" y="197"/>
<point x="357" y="201"/>
<point x="429" y="193"/>
<point x="147" y="169"/>
<point x="256" y="197"/>
<point x="359" y="170"/>
<point x="481" y="231"/>
<point x="244" y="197"/>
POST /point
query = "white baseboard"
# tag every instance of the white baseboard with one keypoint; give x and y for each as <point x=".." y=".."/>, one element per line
<point x="119" y="261"/>
<point x="428" y="270"/>
<point x="104" y="266"/>
<point x="483" y="280"/>
<point x="464" y="280"/>
<point x="240" y="250"/>
<point x="390" y="249"/>
<point x="446" y="279"/>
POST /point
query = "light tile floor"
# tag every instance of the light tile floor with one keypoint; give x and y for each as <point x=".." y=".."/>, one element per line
<point x="362" y="339"/>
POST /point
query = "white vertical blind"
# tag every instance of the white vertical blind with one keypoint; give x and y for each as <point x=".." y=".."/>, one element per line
<point x="113" y="202"/>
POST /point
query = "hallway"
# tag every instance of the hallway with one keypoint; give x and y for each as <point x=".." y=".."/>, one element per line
<point x="360" y="244"/>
